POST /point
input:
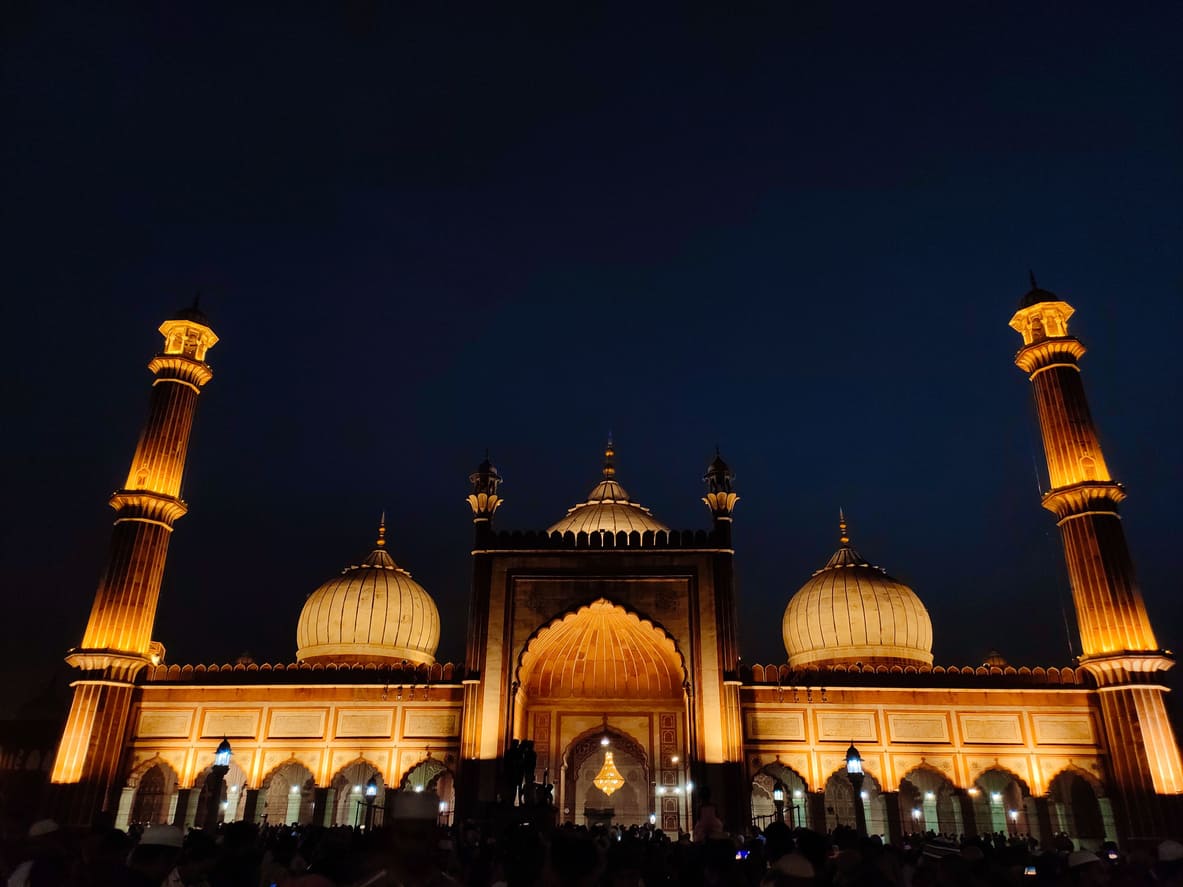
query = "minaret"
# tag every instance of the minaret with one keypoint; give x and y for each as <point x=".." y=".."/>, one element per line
<point x="118" y="638"/>
<point x="1118" y="645"/>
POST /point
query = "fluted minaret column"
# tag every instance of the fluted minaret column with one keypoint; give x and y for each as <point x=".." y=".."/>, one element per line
<point x="118" y="641"/>
<point x="1117" y="642"/>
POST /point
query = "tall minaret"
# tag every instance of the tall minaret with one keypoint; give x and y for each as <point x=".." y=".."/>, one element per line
<point x="1117" y="642"/>
<point x="118" y="638"/>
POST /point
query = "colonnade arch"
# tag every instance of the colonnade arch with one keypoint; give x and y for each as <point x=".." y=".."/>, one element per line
<point x="287" y="794"/>
<point x="154" y="784"/>
<point x="349" y="786"/>
<point x="929" y="802"/>
<point x="795" y="789"/>
<point x="1000" y="800"/>
<point x="840" y="802"/>
<point x="1079" y="808"/>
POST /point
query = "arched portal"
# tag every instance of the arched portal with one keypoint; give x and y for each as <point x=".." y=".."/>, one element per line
<point x="148" y="807"/>
<point x="1000" y="802"/>
<point x="233" y="793"/>
<point x="289" y="794"/>
<point x="840" y="803"/>
<point x="433" y="777"/>
<point x="1080" y="809"/>
<point x="582" y="762"/>
<point x="349" y="787"/>
<point x="155" y="785"/>
<point x="598" y="670"/>
<point x="764" y="783"/>
<point x="928" y="802"/>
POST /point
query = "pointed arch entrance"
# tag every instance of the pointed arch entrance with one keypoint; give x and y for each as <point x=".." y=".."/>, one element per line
<point x="604" y="671"/>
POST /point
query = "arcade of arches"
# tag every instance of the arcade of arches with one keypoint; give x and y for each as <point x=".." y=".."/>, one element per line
<point x="925" y="800"/>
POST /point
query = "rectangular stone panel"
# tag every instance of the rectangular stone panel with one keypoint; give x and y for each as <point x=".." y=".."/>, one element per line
<point x="918" y="727"/>
<point x="365" y="722"/>
<point x="166" y="724"/>
<point x="854" y="726"/>
<point x="231" y="722"/>
<point x="996" y="729"/>
<point x="432" y="724"/>
<point x="769" y="725"/>
<point x="1064" y="729"/>
<point x="304" y="723"/>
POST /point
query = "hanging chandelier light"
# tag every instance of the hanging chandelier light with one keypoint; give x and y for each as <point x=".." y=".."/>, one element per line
<point x="608" y="780"/>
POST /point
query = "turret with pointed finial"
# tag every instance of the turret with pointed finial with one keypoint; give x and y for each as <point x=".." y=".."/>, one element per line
<point x="483" y="500"/>
<point x="720" y="497"/>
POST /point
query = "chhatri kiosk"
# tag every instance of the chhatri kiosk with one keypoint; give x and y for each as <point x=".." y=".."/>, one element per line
<point x="607" y="643"/>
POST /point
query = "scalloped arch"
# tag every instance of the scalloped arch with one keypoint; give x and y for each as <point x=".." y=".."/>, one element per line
<point x="601" y="650"/>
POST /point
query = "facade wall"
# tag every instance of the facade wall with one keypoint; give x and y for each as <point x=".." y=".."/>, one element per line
<point x="323" y="727"/>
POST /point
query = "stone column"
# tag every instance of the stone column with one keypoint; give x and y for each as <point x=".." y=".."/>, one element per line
<point x="815" y="803"/>
<point x="895" y="826"/>
<point x="250" y="806"/>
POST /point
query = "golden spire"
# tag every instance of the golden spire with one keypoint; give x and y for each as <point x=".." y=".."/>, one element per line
<point x="382" y="531"/>
<point x="843" y="537"/>
<point x="609" y="456"/>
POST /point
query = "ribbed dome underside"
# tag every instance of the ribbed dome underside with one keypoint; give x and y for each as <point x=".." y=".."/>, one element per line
<point x="601" y="651"/>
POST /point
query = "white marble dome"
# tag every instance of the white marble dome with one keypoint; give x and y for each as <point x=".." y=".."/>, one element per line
<point x="373" y="613"/>
<point x="852" y="612"/>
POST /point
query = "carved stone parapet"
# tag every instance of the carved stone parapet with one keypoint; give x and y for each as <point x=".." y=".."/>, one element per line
<point x="1087" y="497"/>
<point x="1064" y="351"/>
<point x="144" y="505"/>
<point x="180" y="368"/>
<point x="1128" y="667"/>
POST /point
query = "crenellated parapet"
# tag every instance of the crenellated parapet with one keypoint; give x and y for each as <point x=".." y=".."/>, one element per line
<point x="304" y="672"/>
<point x="919" y="675"/>
<point x="681" y="540"/>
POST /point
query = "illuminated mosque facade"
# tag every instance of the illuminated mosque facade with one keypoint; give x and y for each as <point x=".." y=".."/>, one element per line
<point x="608" y="641"/>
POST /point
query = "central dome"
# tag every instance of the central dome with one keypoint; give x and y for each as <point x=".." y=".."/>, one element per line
<point x="373" y="613"/>
<point x="852" y="612"/>
<point x="608" y="508"/>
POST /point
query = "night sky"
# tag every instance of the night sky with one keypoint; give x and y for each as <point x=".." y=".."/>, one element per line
<point x="424" y="231"/>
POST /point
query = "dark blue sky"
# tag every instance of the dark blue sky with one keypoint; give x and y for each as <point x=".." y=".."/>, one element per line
<point x="797" y="234"/>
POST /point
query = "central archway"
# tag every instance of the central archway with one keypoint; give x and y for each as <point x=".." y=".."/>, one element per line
<point x="603" y="669"/>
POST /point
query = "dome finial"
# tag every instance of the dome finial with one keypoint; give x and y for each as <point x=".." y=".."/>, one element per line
<point x="843" y="537"/>
<point x="382" y="530"/>
<point x="609" y="457"/>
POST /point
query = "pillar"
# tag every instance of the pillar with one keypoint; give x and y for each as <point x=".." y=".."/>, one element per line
<point x="117" y="642"/>
<point x="815" y="803"/>
<point x="250" y="806"/>
<point x="965" y="807"/>
<point x="1118" y="645"/>
<point x="895" y="824"/>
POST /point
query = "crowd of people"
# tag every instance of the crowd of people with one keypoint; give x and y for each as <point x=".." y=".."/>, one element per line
<point x="512" y="852"/>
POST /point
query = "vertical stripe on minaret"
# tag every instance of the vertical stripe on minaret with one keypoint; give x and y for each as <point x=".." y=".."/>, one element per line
<point x="1117" y="641"/>
<point x="118" y="642"/>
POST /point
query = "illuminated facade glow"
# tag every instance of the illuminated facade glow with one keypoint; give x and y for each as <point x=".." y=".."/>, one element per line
<point x="609" y="643"/>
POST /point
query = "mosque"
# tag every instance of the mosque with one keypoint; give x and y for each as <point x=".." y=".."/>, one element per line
<point x="607" y="642"/>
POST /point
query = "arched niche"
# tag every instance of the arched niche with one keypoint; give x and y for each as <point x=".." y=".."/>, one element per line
<point x="840" y="803"/>
<point x="349" y="786"/>
<point x="928" y="802"/>
<point x="288" y="794"/>
<point x="764" y="806"/>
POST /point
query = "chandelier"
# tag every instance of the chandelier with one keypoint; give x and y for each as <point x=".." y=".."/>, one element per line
<point x="608" y="779"/>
